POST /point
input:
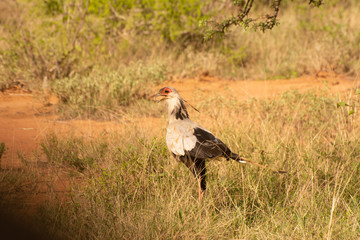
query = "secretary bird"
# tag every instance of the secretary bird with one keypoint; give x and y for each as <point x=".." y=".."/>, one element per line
<point x="190" y="142"/>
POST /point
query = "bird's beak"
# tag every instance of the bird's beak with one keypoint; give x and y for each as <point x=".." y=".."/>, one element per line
<point x="159" y="95"/>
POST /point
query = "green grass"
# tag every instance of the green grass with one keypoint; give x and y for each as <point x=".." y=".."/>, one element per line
<point x="134" y="189"/>
<point x="73" y="152"/>
<point x="101" y="95"/>
<point x="14" y="185"/>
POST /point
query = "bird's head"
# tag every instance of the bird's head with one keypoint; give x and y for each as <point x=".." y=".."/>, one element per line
<point x="167" y="93"/>
<point x="174" y="102"/>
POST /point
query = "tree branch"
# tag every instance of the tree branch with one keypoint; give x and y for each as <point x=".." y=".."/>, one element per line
<point x="263" y="23"/>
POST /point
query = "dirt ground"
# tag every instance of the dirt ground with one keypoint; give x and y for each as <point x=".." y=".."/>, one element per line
<point x="25" y="120"/>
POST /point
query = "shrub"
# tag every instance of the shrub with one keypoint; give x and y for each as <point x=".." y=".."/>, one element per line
<point x="102" y="92"/>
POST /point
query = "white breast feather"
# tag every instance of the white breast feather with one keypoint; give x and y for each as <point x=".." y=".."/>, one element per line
<point x="180" y="136"/>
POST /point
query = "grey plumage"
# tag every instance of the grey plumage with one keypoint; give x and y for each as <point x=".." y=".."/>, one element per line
<point x="190" y="142"/>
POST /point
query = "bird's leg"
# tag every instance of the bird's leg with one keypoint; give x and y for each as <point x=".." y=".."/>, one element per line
<point x="201" y="191"/>
<point x="197" y="167"/>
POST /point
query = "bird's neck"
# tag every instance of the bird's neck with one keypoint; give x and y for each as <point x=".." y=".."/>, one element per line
<point x="177" y="109"/>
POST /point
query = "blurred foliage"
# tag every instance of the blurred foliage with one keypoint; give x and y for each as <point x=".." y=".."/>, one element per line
<point x="67" y="37"/>
<point x="168" y="18"/>
<point x="57" y="39"/>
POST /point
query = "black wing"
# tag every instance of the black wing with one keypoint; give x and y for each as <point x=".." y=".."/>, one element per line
<point x="208" y="146"/>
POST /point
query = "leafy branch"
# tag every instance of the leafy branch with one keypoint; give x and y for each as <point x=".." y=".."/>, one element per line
<point x="263" y="23"/>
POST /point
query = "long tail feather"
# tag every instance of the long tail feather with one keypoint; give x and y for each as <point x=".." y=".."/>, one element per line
<point x="245" y="160"/>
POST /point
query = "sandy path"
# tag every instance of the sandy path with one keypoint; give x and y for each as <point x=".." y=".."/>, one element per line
<point x="243" y="90"/>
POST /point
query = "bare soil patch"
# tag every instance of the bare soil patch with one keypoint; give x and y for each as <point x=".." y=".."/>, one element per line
<point x="244" y="90"/>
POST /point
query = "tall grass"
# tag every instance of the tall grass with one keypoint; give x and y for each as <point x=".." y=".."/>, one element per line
<point x="136" y="190"/>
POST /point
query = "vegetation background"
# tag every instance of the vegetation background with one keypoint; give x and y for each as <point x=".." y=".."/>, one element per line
<point x="99" y="57"/>
<point x="57" y="39"/>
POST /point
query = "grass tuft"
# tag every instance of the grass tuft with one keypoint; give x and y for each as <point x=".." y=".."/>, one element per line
<point x="101" y="94"/>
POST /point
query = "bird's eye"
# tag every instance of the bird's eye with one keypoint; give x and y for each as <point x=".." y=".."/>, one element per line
<point x="166" y="91"/>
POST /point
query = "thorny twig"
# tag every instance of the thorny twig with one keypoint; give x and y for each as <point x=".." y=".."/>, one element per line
<point x="243" y="19"/>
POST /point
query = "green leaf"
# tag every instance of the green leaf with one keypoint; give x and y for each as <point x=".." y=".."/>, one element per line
<point x="351" y="112"/>
<point x="358" y="91"/>
<point x="341" y="104"/>
<point x="180" y="215"/>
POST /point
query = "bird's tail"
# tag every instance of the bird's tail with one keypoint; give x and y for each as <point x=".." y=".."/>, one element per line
<point x="239" y="159"/>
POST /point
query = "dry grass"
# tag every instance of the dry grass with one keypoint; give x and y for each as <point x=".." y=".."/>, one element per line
<point x="104" y="94"/>
<point x="134" y="189"/>
<point x="131" y="188"/>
